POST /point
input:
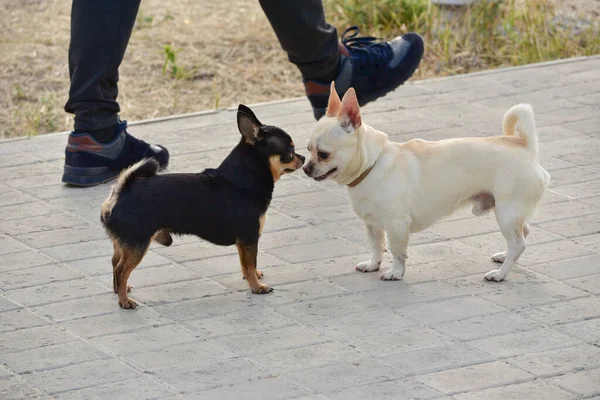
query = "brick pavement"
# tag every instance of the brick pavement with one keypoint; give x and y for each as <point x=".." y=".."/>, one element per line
<point x="326" y="332"/>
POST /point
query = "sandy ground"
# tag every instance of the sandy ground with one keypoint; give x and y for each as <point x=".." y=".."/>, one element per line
<point x="226" y="49"/>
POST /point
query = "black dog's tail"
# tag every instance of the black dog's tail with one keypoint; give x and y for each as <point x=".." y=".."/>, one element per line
<point x="144" y="168"/>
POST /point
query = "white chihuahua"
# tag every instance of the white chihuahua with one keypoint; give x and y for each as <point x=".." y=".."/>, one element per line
<point x="400" y="188"/>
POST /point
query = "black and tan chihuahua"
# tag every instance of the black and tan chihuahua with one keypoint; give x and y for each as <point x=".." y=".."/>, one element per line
<point x="225" y="206"/>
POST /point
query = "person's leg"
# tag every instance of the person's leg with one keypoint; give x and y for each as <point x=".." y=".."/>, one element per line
<point x="99" y="147"/>
<point x="372" y="68"/>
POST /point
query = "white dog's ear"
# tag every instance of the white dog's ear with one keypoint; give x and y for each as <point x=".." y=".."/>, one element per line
<point x="334" y="105"/>
<point x="350" y="114"/>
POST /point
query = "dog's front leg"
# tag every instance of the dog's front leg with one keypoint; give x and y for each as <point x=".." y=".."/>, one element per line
<point x="376" y="238"/>
<point x="398" y="239"/>
<point x="248" y="255"/>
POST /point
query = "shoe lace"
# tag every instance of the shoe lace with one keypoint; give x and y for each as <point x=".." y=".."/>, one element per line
<point x="366" y="52"/>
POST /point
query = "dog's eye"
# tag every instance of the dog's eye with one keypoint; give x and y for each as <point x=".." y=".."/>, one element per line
<point x="323" y="155"/>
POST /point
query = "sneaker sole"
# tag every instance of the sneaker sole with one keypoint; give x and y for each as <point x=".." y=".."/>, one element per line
<point x="90" y="176"/>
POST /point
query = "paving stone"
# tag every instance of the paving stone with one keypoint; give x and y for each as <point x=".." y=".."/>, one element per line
<point x="134" y="389"/>
<point x="23" y="259"/>
<point x="308" y="357"/>
<point x="183" y="355"/>
<point x="380" y="344"/>
<point x="527" y="390"/>
<point x="483" y="326"/>
<point x="81" y="307"/>
<point x="565" y="311"/>
<point x="57" y="237"/>
<point x="284" y="278"/>
<point x="210" y="306"/>
<point x="405" y="388"/>
<point x="571" y="268"/>
<point x="10" y="245"/>
<point x="31" y="338"/>
<point x="518" y="343"/>
<point x="559" y="361"/>
<point x="362" y="325"/>
<point x="371" y="282"/>
<point x="56" y="291"/>
<point x="146" y="339"/>
<point x="229" y="264"/>
<point x="587" y="331"/>
<point x="474" y="377"/>
<point x="19" y="319"/>
<point x="448" y="310"/>
<point x="574" y="227"/>
<point x="22" y="278"/>
<point x="267" y="389"/>
<point x="251" y="320"/>
<point x="183" y="290"/>
<point x="102" y="265"/>
<point x="344" y="375"/>
<point x="123" y="320"/>
<point x="78" y="251"/>
<point x="526" y="295"/>
<point x="23" y="212"/>
<point x="404" y="294"/>
<point x="437" y="358"/>
<point x="271" y="340"/>
<point x="81" y="375"/>
<point x="14" y="387"/>
<point x="52" y="357"/>
<point x="215" y="374"/>
<point x="316" y="251"/>
<point x="589" y="283"/>
<point x="585" y="383"/>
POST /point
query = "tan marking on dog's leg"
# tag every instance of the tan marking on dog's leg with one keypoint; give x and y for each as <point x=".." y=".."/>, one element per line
<point x="131" y="259"/>
<point x="117" y="255"/>
<point x="248" y="254"/>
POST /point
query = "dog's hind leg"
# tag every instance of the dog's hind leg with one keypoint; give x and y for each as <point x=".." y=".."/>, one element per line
<point x="513" y="227"/>
<point x="131" y="257"/>
<point x="376" y="238"/>
<point x="117" y="255"/>
<point x="500" y="257"/>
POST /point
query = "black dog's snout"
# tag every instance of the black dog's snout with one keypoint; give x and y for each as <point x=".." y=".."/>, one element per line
<point x="301" y="157"/>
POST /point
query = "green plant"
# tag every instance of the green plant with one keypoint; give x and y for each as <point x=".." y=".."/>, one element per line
<point x="143" y="21"/>
<point x="170" y="64"/>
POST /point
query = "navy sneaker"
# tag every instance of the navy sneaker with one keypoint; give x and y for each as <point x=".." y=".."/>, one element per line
<point x="89" y="162"/>
<point x="372" y="68"/>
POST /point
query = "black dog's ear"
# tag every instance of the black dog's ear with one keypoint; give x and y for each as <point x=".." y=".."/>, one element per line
<point x="248" y="124"/>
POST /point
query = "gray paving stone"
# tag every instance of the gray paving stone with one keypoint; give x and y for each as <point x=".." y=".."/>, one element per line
<point x="474" y="377"/>
<point x="369" y="324"/>
<point x="146" y="339"/>
<point x="82" y="250"/>
<point x="527" y="390"/>
<point x="180" y="355"/>
<point x="404" y="294"/>
<point x="316" y="251"/>
<point x="271" y="340"/>
<point x="133" y="389"/>
<point x="35" y="276"/>
<point x="82" y="307"/>
<point x="31" y="338"/>
<point x="10" y="245"/>
<point x="518" y="343"/>
<point x="79" y="376"/>
<point x="19" y="319"/>
<point x="589" y="283"/>
<point x="587" y="331"/>
<point x="210" y="306"/>
<point x="400" y="389"/>
<point x="571" y="268"/>
<point x="437" y="358"/>
<point x="585" y="383"/>
<point x="177" y="291"/>
<point x="56" y="291"/>
<point x="284" y="278"/>
<point x="23" y="259"/>
<point x="565" y="311"/>
<point x="483" y="326"/>
<point x="15" y="387"/>
<point x="57" y="237"/>
<point x="215" y="374"/>
<point x="344" y="375"/>
<point x="559" y="361"/>
<point x="448" y="310"/>
<point x="47" y="357"/>
<point x="519" y="296"/>
<point x="267" y="389"/>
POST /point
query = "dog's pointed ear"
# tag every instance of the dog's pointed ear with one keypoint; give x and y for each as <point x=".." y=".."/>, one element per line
<point x="350" y="114"/>
<point x="248" y="124"/>
<point x="334" y="106"/>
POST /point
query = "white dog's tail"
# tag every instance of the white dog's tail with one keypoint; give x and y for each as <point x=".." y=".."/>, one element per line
<point x="519" y="120"/>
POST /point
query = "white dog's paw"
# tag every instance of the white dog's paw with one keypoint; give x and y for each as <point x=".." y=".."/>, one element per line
<point x="494" y="275"/>
<point x="368" y="266"/>
<point x="392" y="275"/>
<point x="499" y="257"/>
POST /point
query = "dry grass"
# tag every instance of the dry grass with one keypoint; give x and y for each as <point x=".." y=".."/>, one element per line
<point x="189" y="55"/>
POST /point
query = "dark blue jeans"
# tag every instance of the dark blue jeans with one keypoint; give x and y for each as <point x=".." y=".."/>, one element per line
<point x="100" y="32"/>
